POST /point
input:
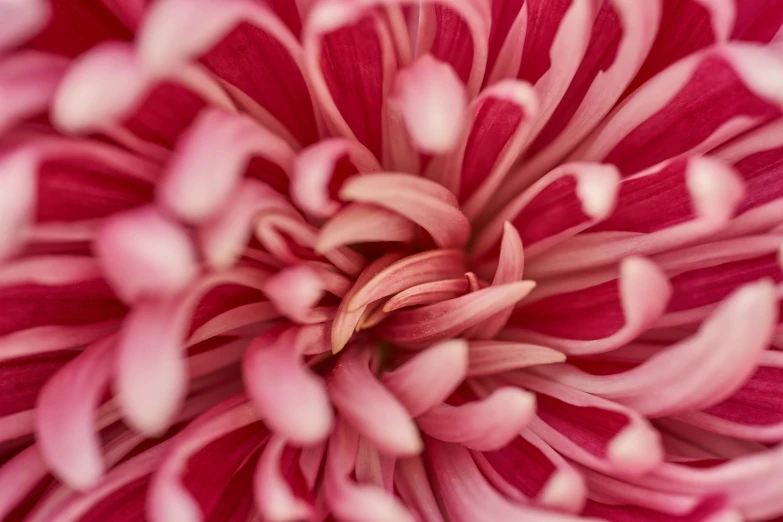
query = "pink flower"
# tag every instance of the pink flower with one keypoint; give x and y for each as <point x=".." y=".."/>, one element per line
<point x="391" y="260"/>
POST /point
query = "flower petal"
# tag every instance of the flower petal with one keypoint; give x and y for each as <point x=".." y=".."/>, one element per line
<point x="364" y="223"/>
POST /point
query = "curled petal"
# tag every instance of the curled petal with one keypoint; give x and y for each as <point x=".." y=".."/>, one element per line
<point x="628" y="307"/>
<point x="364" y="223"/>
<point x="429" y="266"/>
<point x="490" y="357"/>
<point x="428" y="293"/>
<point x="484" y="425"/>
<point x="145" y="255"/>
<point x="223" y="238"/>
<point x="563" y="203"/>
<point x="368" y="406"/>
<point x="291" y="398"/>
<point x="273" y="494"/>
<point x="28" y="82"/>
<point x="467" y="496"/>
<point x="667" y="206"/>
<point x="415" y="386"/>
<point x="345" y="321"/>
<point x="296" y="290"/>
<point x="322" y="166"/>
<point x="424" y="202"/>
<point x="710" y="366"/>
<point x="595" y="432"/>
<point x="243" y="43"/>
<point x="652" y="124"/>
<point x="433" y="102"/>
<point x="66" y="417"/>
<point x="211" y="158"/>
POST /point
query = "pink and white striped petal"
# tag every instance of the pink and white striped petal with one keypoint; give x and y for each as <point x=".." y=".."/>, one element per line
<point x="738" y="86"/>
<point x="565" y="202"/>
<point x="664" y="207"/>
<point x="467" y="496"/>
<point x="592" y="431"/>
<point x="529" y="469"/>
<point x="243" y="43"/>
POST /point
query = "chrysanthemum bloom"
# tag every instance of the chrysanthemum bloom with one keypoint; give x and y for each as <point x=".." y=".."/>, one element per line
<point x="391" y="260"/>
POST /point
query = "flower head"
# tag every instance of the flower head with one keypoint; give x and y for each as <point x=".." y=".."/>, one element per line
<point x="391" y="260"/>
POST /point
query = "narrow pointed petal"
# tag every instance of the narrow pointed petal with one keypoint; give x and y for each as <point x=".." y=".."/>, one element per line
<point x="364" y="223"/>
<point x="345" y="320"/>
<point x="66" y="417"/>
<point x="490" y="357"/>
<point x="428" y="293"/>
<point x="290" y="397"/>
<point x="449" y="318"/>
<point x="368" y="406"/>
<point x="210" y="160"/>
<point x="350" y="62"/>
<point x="145" y="255"/>
<point x="511" y="264"/>
<point x="424" y="202"/>
<point x="433" y="103"/>
<point x="574" y="322"/>
<point x="486" y="424"/>
<point x="415" y="386"/>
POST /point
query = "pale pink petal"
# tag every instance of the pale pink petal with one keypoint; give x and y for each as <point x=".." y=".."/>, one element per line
<point x="433" y="102"/>
<point x="145" y="255"/>
<point x="490" y="357"/>
<point x="428" y="293"/>
<point x="243" y="43"/>
<point x="17" y="199"/>
<point x="210" y="160"/>
<point x="467" y="496"/>
<point x="424" y="202"/>
<point x="736" y="87"/>
<point x="290" y="397"/>
<point x="320" y="170"/>
<point x="414" y="486"/>
<point x="598" y="317"/>
<point x="428" y="266"/>
<point x="485" y="424"/>
<point x="448" y="318"/>
<point x="273" y="495"/>
<point x="22" y="19"/>
<point x="364" y="223"/>
<point x="598" y="433"/>
<point x="414" y="383"/>
<point x="667" y="206"/>
<point x="528" y="468"/>
<point x="368" y="406"/>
